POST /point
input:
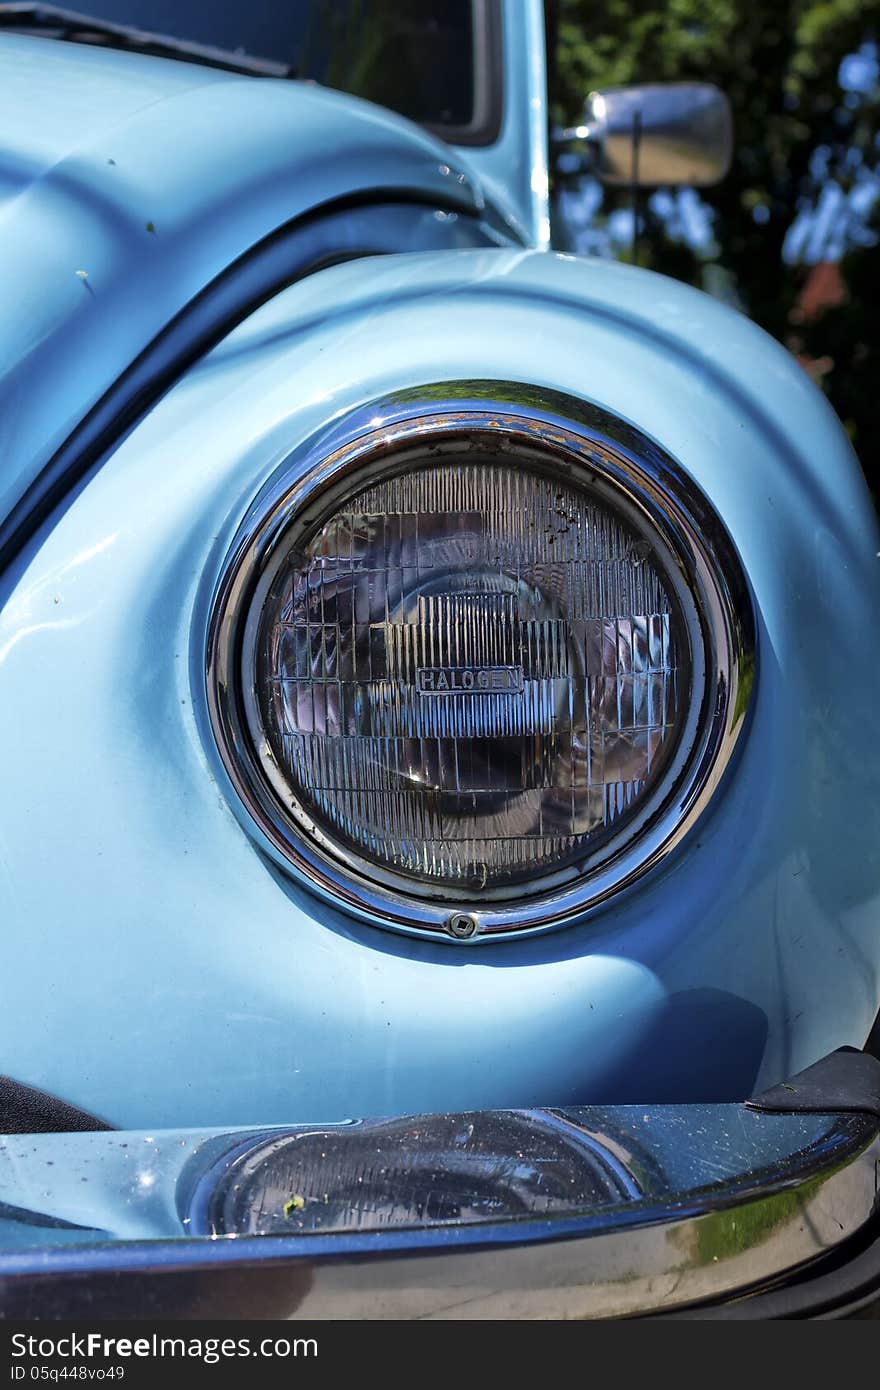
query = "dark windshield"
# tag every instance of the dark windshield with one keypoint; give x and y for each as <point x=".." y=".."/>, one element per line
<point x="434" y="61"/>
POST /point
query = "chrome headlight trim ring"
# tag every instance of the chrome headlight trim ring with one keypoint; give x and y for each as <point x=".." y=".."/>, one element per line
<point x="577" y="438"/>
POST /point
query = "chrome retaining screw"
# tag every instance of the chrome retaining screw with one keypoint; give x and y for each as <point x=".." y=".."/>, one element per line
<point x="461" y="925"/>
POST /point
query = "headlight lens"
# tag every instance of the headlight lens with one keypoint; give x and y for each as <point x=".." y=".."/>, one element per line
<point x="461" y="665"/>
<point x="470" y="672"/>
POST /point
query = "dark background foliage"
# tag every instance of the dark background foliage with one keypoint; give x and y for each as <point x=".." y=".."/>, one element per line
<point x="791" y="235"/>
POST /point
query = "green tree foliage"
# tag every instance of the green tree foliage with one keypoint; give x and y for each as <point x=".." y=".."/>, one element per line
<point x="779" y="63"/>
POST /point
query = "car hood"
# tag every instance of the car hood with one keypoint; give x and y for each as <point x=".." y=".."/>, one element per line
<point x="128" y="183"/>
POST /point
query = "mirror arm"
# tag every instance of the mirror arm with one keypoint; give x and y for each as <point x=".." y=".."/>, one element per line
<point x="579" y="145"/>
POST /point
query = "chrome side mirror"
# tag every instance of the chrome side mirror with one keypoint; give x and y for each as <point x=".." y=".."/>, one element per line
<point x="673" y="133"/>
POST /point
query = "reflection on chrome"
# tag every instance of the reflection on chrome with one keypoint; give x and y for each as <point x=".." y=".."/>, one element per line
<point x="582" y="1212"/>
<point x="424" y="1171"/>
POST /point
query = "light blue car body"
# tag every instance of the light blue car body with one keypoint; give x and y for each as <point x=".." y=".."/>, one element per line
<point x="159" y="969"/>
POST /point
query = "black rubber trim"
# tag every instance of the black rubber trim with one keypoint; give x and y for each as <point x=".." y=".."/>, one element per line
<point x="24" y="1110"/>
<point x="846" y="1080"/>
<point x="375" y="224"/>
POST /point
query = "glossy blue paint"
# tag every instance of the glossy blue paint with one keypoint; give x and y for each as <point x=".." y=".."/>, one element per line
<point x="128" y="183"/>
<point x="514" y="169"/>
<point x="196" y="983"/>
<point x="338" y="232"/>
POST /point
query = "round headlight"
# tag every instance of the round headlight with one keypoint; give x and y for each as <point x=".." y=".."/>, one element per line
<point x="473" y="667"/>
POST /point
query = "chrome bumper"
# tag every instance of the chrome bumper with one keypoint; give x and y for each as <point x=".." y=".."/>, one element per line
<point x="582" y="1212"/>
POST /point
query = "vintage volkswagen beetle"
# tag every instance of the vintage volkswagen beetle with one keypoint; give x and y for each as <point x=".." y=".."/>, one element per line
<point x="435" y="681"/>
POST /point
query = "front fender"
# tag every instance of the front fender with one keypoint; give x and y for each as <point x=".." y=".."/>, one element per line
<point x="201" y="985"/>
